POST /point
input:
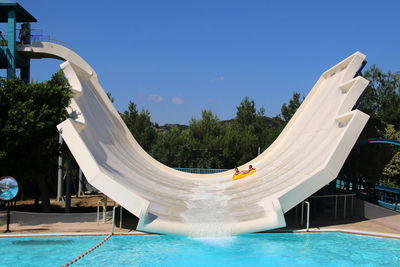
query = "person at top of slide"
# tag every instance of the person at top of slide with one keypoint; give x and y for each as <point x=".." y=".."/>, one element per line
<point x="23" y="34"/>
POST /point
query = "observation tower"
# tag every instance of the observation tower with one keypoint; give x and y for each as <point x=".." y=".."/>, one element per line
<point x="10" y="59"/>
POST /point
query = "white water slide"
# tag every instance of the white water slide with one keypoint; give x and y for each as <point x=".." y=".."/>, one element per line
<point x="306" y="156"/>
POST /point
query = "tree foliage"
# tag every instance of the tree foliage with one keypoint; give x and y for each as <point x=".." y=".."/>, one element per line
<point x="287" y="111"/>
<point x="381" y="101"/>
<point x="205" y="138"/>
<point x="207" y="143"/>
<point x="29" y="113"/>
<point x="391" y="170"/>
<point x="140" y="125"/>
<point x="246" y="113"/>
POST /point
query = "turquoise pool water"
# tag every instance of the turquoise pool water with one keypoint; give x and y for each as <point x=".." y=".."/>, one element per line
<point x="308" y="249"/>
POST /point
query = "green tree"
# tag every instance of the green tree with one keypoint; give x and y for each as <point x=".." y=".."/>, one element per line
<point x="275" y="128"/>
<point x="172" y="149"/>
<point x="246" y="113"/>
<point x="205" y="138"/>
<point x="140" y="126"/>
<point x="29" y="113"/>
<point x="381" y="101"/>
<point x="232" y="145"/>
<point x="206" y="143"/>
<point x="249" y="145"/>
<point x="391" y="171"/>
<point x="247" y="134"/>
<point x="110" y="97"/>
<point x="288" y="110"/>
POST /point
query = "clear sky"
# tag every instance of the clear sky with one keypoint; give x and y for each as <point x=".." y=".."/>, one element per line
<point x="176" y="58"/>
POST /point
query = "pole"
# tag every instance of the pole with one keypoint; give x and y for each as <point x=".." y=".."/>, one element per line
<point x="113" y="219"/>
<point x="68" y="189"/>
<point x="98" y="211"/>
<point x="336" y="199"/>
<point x="104" y="208"/>
<point x="12" y="19"/>
<point x="60" y="168"/>
<point x="308" y="215"/>
<point x="120" y="217"/>
<point x="80" y="186"/>
<point x="352" y="205"/>
<point x="8" y="218"/>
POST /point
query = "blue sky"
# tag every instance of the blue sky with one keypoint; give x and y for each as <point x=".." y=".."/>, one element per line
<point x="176" y="58"/>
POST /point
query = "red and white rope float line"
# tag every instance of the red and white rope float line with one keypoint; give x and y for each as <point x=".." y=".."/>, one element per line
<point x="87" y="252"/>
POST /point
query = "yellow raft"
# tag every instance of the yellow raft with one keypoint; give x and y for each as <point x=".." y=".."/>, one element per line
<point x="242" y="175"/>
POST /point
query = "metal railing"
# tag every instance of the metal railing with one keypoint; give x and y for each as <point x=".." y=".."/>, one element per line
<point x="388" y="197"/>
<point x="337" y="196"/>
<point x="120" y="217"/>
<point x="35" y="36"/>
<point x="308" y="215"/>
<point x="46" y="38"/>
<point x="103" y="203"/>
<point x="104" y="206"/>
<point x="336" y="201"/>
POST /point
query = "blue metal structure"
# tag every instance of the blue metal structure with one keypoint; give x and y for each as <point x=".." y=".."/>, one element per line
<point x="12" y="13"/>
<point x="378" y="141"/>
<point x="388" y="197"/>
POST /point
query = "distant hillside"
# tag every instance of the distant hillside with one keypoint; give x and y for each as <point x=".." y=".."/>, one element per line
<point x="169" y="126"/>
<point x="269" y="122"/>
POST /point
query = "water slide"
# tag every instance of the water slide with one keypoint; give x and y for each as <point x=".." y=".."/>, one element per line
<point x="306" y="156"/>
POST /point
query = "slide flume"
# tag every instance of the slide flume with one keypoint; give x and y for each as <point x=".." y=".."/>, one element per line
<point x="307" y="155"/>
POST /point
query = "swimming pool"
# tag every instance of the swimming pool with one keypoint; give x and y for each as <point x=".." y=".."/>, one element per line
<point x="283" y="249"/>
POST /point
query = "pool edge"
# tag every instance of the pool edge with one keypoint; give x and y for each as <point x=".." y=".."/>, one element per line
<point x="137" y="233"/>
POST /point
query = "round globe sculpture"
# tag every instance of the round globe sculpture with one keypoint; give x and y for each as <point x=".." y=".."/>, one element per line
<point x="8" y="188"/>
<point x="8" y="191"/>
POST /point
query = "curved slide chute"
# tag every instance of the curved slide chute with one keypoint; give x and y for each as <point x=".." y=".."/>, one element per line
<point x="307" y="155"/>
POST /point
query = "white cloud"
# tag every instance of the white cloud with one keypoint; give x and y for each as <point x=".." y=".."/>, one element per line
<point x="178" y="100"/>
<point x="155" y="98"/>
<point x="218" y="79"/>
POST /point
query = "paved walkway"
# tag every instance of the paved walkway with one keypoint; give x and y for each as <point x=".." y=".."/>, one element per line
<point x="381" y="222"/>
<point x="386" y="226"/>
<point x="25" y="223"/>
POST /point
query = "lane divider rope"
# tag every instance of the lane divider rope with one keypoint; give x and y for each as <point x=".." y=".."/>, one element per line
<point x="87" y="252"/>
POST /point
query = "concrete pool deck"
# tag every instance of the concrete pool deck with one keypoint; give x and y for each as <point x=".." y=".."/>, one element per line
<point x="31" y="224"/>
<point x="374" y="227"/>
<point x="368" y="219"/>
